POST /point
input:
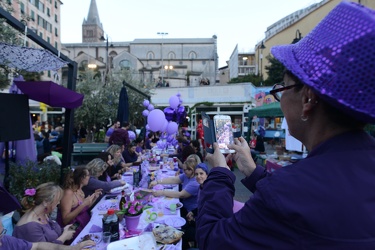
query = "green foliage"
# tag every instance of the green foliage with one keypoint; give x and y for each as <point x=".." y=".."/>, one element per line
<point x="101" y="100"/>
<point x="254" y="79"/>
<point x="30" y="175"/>
<point x="275" y="71"/>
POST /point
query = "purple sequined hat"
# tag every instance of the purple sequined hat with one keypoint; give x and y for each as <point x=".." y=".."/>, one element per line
<point x="336" y="59"/>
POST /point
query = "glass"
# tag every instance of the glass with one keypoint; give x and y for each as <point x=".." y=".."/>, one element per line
<point x="279" y="88"/>
<point x="106" y="238"/>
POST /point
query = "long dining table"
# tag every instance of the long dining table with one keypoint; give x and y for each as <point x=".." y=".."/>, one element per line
<point x="158" y="213"/>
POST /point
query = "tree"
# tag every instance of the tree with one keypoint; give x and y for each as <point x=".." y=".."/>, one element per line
<point x="254" y="79"/>
<point x="101" y="100"/>
<point x="275" y="71"/>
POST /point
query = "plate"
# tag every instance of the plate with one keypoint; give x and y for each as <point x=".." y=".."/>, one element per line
<point x="104" y="206"/>
<point x="178" y="205"/>
<point x="119" y="189"/>
<point x="175" y="221"/>
<point x="144" y="241"/>
<point x="96" y="237"/>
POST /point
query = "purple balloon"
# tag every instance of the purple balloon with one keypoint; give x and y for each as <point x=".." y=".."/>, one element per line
<point x="132" y="135"/>
<point x="147" y="127"/>
<point x="180" y="101"/>
<point x="174" y="101"/>
<point x="155" y="120"/>
<point x="146" y="103"/>
<point x="169" y="113"/>
<point x="181" y="114"/>
<point x="145" y="112"/>
<point x="164" y="127"/>
<point x="172" y="128"/>
<point x="150" y="107"/>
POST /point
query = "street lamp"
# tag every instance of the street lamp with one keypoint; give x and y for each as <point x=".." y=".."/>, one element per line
<point x="162" y="34"/>
<point x="261" y="47"/>
<point x="168" y="67"/>
<point x="298" y="37"/>
<point x="102" y="38"/>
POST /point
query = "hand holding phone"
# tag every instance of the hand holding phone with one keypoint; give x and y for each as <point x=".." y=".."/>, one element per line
<point x="74" y="226"/>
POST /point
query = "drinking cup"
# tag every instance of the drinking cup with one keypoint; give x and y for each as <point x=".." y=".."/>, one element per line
<point x="173" y="208"/>
<point x="106" y="238"/>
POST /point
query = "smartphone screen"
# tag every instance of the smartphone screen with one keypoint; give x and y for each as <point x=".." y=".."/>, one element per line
<point x="223" y="132"/>
<point x="209" y="133"/>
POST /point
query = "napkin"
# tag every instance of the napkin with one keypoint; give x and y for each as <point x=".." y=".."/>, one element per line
<point x="95" y="229"/>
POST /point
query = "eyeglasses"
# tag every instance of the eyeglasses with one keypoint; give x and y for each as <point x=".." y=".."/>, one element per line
<point x="3" y="232"/>
<point x="279" y="88"/>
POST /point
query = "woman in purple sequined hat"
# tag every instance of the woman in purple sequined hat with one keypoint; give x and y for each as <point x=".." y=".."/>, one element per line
<point x="327" y="200"/>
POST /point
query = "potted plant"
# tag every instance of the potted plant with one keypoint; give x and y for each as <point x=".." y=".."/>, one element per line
<point x="131" y="212"/>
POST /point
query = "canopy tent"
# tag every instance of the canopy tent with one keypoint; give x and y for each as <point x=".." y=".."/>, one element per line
<point x="268" y="110"/>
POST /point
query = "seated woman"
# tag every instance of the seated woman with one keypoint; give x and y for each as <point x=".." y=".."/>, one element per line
<point x="35" y="225"/>
<point x="190" y="186"/>
<point x="118" y="161"/>
<point x="74" y="204"/>
<point x="130" y="155"/>
<point x="140" y="145"/>
<point x="96" y="168"/>
<point x="188" y="239"/>
<point x="110" y="174"/>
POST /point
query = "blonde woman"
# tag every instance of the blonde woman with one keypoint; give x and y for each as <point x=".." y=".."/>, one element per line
<point x="35" y="225"/>
<point x="190" y="186"/>
<point x="96" y="168"/>
<point x="118" y="161"/>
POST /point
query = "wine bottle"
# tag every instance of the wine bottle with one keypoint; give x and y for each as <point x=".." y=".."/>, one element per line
<point x="122" y="200"/>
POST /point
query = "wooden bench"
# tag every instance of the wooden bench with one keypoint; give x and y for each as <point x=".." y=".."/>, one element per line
<point x="85" y="150"/>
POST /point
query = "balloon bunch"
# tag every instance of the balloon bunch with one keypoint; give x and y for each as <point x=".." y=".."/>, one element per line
<point x="176" y="111"/>
<point x="156" y="120"/>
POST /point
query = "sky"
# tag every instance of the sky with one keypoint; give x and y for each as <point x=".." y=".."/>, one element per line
<point x="234" y="22"/>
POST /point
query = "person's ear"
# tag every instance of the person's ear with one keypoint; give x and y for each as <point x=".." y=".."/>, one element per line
<point x="309" y="101"/>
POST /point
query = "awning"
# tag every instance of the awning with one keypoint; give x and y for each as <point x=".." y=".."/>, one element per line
<point x="267" y="110"/>
<point x="51" y="93"/>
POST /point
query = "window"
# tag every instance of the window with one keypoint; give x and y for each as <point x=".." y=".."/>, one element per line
<point x="56" y="45"/>
<point x="56" y="19"/>
<point x="32" y="2"/>
<point x="192" y="55"/>
<point x="56" y="4"/>
<point x="48" y="13"/>
<point x="125" y="64"/>
<point x="41" y="34"/>
<point x="48" y="39"/>
<point x="49" y="73"/>
<point x="150" y="55"/>
<point x="32" y="14"/>
<point x="56" y="32"/>
<point x="171" y="55"/>
<point x="89" y="33"/>
<point x="9" y="2"/>
<point x="40" y="21"/>
<point x="22" y="7"/>
<point x="41" y="7"/>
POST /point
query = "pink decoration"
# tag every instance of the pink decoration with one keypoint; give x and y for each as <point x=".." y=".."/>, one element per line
<point x="30" y="192"/>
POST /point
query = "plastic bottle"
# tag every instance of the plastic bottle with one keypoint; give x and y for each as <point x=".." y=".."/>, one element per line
<point x="111" y="224"/>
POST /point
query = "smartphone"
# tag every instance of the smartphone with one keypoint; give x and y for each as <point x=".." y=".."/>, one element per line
<point x="75" y="225"/>
<point x="223" y="132"/>
<point x="209" y="133"/>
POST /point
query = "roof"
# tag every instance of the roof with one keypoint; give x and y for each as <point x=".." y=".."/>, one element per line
<point x="93" y="16"/>
<point x="267" y="110"/>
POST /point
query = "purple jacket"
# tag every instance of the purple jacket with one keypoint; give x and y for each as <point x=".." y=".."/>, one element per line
<point x="95" y="184"/>
<point x="326" y="201"/>
<point x="12" y="243"/>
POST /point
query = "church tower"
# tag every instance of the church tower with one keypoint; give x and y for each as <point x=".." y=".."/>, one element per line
<point x="92" y="28"/>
